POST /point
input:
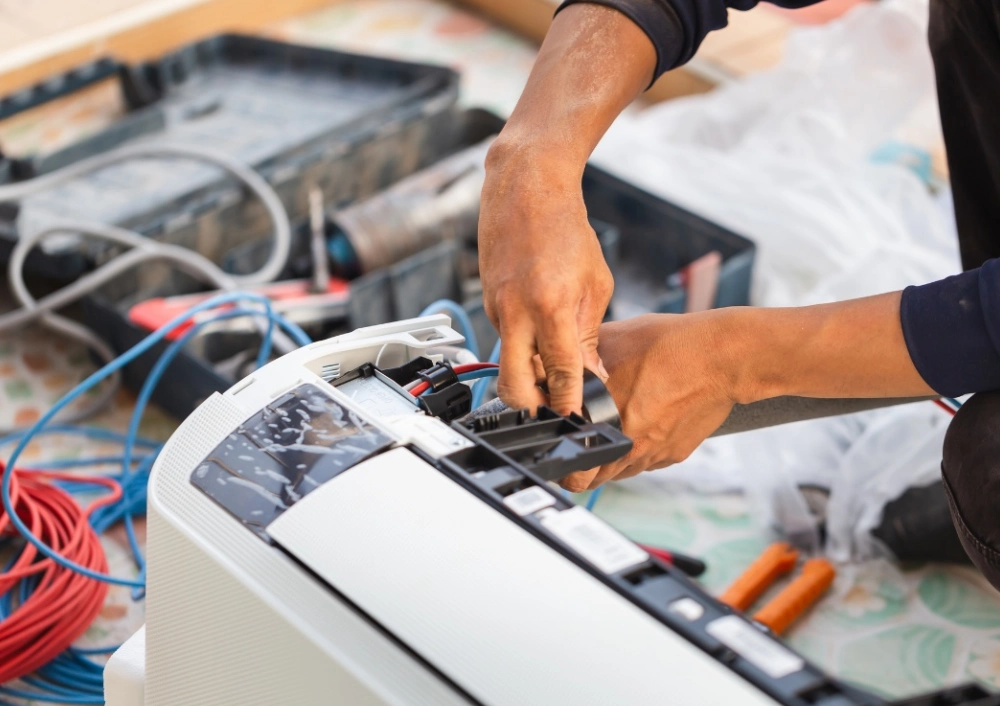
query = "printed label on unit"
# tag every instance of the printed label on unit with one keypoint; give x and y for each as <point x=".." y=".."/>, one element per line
<point x="754" y="646"/>
<point x="524" y="502"/>
<point x="428" y="433"/>
<point x="594" y="540"/>
<point x="377" y="398"/>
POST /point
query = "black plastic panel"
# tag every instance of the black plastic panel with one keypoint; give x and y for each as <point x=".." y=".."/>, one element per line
<point x="284" y="452"/>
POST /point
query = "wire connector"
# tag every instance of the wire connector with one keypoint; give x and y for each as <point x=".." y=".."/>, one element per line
<point x="446" y="398"/>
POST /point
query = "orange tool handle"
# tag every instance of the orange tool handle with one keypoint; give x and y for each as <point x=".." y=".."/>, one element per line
<point x="796" y="598"/>
<point x="776" y="560"/>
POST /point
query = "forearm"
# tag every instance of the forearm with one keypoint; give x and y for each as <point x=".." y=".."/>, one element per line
<point x="593" y="63"/>
<point x="852" y="349"/>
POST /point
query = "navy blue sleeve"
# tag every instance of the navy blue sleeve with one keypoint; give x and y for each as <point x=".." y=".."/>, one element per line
<point x="952" y="331"/>
<point x="677" y="27"/>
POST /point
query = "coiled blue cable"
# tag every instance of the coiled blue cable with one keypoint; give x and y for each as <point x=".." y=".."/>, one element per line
<point x="91" y="382"/>
<point x="72" y="678"/>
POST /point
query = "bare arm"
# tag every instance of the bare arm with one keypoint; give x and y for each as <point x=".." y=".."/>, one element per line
<point x="546" y="285"/>
<point x="844" y="350"/>
<point x="676" y="378"/>
<point x="593" y="63"/>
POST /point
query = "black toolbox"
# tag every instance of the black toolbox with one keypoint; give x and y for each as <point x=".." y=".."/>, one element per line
<point x="300" y="116"/>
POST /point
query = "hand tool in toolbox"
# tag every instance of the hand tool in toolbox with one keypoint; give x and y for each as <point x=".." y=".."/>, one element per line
<point x="294" y="299"/>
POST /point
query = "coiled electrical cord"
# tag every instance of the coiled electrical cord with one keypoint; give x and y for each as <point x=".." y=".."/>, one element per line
<point x="143" y="250"/>
<point x="77" y="569"/>
<point x="60" y="603"/>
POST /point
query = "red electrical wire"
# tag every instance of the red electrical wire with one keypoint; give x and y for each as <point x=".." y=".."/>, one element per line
<point x="459" y="369"/>
<point x="64" y="603"/>
<point x="945" y="406"/>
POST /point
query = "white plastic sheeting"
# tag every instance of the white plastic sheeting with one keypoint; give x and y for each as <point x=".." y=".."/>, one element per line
<point x="783" y="157"/>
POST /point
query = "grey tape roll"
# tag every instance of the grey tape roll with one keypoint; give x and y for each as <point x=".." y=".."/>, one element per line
<point x="598" y="405"/>
<point x="784" y="410"/>
<point x="769" y="413"/>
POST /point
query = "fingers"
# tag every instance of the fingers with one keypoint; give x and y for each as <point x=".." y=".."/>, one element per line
<point x="517" y="383"/>
<point x="589" y="327"/>
<point x="579" y="481"/>
<point x="562" y="360"/>
<point x="536" y="361"/>
<point x="614" y="471"/>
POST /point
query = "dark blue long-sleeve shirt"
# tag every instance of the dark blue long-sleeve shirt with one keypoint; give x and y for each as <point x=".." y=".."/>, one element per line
<point x="951" y="327"/>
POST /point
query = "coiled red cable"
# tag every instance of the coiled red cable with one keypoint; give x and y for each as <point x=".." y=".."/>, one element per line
<point x="63" y="603"/>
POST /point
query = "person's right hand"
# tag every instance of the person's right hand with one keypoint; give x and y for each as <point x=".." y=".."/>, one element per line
<point x="546" y="286"/>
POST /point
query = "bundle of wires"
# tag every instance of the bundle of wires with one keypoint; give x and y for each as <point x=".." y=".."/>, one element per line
<point x="479" y="372"/>
<point x="53" y="606"/>
<point x="140" y="250"/>
<point x="56" y="581"/>
<point x="949" y="405"/>
<point x="466" y="373"/>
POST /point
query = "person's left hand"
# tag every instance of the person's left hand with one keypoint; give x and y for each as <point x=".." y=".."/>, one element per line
<point x="674" y="379"/>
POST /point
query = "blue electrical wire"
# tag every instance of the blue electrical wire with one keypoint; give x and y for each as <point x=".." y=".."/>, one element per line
<point x="82" y="651"/>
<point x="93" y="380"/>
<point x="55" y="699"/>
<point x="146" y="393"/>
<point x="71" y="678"/>
<point x="474" y="375"/>
<point x="478" y="374"/>
<point x="86" y="462"/>
<point x="479" y="389"/>
<point x="594" y="497"/>
<point x="461" y="316"/>
<point x="89" y="432"/>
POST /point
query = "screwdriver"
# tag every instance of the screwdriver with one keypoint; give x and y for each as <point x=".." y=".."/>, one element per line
<point x="688" y="564"/>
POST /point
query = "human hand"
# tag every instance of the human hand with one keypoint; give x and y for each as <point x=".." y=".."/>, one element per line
<point x="546" y="286"/>
<point x="674" y="379"/>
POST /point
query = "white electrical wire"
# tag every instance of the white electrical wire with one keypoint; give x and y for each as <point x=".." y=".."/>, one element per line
<point x="269" y="198"/>
<point x="143" y="250"/>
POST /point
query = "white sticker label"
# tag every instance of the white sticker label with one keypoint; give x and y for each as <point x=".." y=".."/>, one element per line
<point x="754" y="646"/>
<point x="524" y="502"/>
<point x="594" y="540"/>
<point x="428" y="433"/>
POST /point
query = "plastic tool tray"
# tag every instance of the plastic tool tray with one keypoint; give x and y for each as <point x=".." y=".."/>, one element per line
<point x="301" y="116"/>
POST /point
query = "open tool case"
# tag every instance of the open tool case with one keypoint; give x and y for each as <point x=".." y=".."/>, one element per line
<point x="303" y="117"/>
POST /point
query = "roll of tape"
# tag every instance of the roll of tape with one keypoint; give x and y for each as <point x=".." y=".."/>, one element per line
<point x="598" y="405"/>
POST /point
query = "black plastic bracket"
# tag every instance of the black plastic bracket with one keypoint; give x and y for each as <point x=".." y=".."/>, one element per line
<point x="408" y="372"/>
<point x="964" y="695"/>
<point x="548" y="444"/>
<point x="447" y="398"/>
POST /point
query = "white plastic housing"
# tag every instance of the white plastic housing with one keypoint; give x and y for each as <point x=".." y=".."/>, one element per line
<point x="404" y="587"/>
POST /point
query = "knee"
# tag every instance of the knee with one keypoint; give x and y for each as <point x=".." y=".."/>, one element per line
<point x="971" y="470"/>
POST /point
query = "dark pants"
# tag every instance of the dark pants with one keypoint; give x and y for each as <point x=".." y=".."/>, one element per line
<point x="971" y="470"/>
<point x="965" y="42"/>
